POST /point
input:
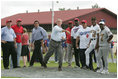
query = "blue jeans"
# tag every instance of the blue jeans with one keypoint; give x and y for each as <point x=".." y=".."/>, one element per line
<point x="18" y="50"/>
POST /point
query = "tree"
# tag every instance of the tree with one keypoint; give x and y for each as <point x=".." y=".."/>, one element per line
<point x="61" y="9"/>
<point x="95" y="6"/>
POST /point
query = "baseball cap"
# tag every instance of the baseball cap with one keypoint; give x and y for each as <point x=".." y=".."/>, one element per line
<point x="76" y="19"/>
<point x="18" y="20"/>
<point x="101" y="22"/>
<point x="70" y="22"/>
<point x="8" y="21"/>
<point x="84" y="21"/>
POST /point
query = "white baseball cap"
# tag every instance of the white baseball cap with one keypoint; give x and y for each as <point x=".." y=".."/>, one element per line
<point x="101" y="22"/>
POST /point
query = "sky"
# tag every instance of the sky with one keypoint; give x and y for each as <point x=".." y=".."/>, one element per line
<point x="11" y="7"/>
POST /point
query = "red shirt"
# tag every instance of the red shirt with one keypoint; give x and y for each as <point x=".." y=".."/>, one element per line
<point x="68" y="36"/>
<point x="18" y="31"/>
<point x="25" y="39"/>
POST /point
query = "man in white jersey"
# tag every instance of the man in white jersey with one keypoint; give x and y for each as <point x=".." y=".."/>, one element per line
<point x="95" y="29"/>
<point x="83" y="35"/>
<point x="105" y="37"/>
<point x="73" y="38"/>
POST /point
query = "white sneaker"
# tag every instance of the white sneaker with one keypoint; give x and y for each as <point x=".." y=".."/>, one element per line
<point x="100" y="70"/>
<point x="105" y="72"/>
<point x="56" y="62"/>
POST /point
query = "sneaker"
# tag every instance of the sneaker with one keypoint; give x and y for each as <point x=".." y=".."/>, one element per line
<point x="56" y="62"/>
<point x="99" y="70"/>
<point x="105" y="72"/>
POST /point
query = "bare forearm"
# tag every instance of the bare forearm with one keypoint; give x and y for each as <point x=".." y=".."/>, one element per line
<point x="110" y="37"/>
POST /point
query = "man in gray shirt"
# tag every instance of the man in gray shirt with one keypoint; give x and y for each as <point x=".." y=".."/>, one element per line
<point x="105" y="37"/>
<point x="38" y="35"/>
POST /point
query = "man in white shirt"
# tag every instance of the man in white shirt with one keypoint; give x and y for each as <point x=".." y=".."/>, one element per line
<point x="73" y="38"/>
<point x="55" y="44"/>
<point x="83" y="35"/>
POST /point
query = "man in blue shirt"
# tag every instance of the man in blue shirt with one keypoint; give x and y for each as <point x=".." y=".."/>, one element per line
<point x="38" y="35"/>
<point x="8" y="45"/>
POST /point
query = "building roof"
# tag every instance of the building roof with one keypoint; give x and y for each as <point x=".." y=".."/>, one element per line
<point x="46" y="17"/>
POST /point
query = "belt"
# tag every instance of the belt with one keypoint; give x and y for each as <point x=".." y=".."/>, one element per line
<point x="38" y="40"/>
<point x="10" y="41"/>
<point x="56" y="41"/>
<point x="93" y="39"/>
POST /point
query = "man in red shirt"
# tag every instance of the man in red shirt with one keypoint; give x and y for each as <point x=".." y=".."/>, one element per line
<point x="69" y="45"/>
<point x="18" y="29"/>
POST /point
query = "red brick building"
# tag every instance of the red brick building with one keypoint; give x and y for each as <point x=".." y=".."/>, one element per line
<point x="45" y="18"/>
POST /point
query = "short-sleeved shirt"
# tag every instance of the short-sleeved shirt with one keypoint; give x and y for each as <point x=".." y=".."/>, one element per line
<point x="74" y="31"/>
<point x="38" y="34"/>
<point x="94" y="31"/>
<point x="7" y="34"/>
<point x="84" y="35"/>
<point x="18" y="31"/>
<point x="56" y="33"/>
<point x="25" y="39"/>
<point x="68" y="36"/>
<point x="103" y="36"/>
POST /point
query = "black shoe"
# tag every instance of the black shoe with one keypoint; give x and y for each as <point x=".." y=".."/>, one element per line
<point x="30" y="66"/>
<point x="59" y="69"/>
<point x="18" y="67"/>
<point x="6" y="68"/>
<point x="45" y="66"/>
<point x="24" y="66"/>
<point x="87" y="67"/>
<point x="96" y="69"/>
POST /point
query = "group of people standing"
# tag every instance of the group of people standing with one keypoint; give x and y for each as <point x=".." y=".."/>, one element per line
<point x="84" y="41"/>
<point x="14" y="42"/>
